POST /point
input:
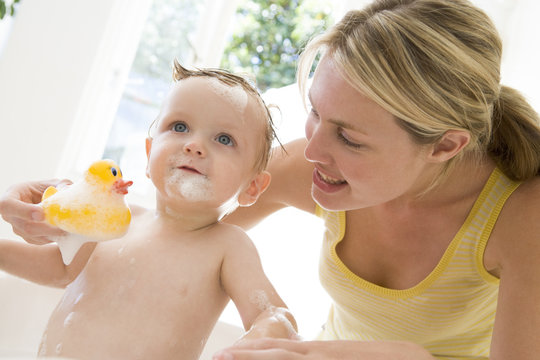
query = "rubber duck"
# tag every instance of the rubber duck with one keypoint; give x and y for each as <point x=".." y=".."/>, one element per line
<point x="91" y="210"/>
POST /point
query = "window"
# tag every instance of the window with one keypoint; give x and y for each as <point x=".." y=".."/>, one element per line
<point x="168" y="34"/>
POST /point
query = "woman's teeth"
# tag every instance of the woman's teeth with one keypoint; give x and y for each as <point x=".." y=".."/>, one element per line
<point x="331" y="180"/>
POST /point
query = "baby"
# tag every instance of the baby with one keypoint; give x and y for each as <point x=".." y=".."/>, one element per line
<point x="157" y="292"/>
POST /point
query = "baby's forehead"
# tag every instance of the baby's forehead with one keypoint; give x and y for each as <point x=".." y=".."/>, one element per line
<point x="232" y="93"/>
<point x="236" y="95"/>
<point x="240" y="99"/>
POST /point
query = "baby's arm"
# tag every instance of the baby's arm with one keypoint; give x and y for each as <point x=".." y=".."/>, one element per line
<point x="41" y="264"/>
<point x="263" y="312"/>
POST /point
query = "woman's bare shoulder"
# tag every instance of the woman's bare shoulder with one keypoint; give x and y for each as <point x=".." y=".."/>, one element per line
<point x="518" y="228"/>
<point x="525" y="201"/>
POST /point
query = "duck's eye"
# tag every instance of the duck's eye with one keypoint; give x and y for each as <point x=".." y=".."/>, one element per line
<point x="180" y="127"/>
<point x="114" y="171"/>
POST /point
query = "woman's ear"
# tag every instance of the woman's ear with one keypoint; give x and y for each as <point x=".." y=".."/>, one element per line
<point x="148" y="149"/>
<point x="255" y="188"/>
<point x="450" y="145"/>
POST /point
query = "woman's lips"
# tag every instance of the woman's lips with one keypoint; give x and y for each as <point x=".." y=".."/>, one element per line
<point x="327" y="183"/>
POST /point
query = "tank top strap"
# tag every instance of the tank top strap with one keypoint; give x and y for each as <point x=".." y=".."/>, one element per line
<point x="486" y="212"/>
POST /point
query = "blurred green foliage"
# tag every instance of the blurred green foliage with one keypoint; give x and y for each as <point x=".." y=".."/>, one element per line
<point x="269" y="35"/>
<point x="166" y="32"/>
<point x="5" y="9"/>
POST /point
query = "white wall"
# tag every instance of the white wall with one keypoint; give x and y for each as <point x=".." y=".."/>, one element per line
<point x="44" y="68"/>
<point x="518" y="24"/>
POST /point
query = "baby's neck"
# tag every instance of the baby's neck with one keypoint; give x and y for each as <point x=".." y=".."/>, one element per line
<point x="186" y="220"/>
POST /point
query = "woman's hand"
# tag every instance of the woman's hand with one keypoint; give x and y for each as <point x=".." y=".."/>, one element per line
<point x="281" y="349"/>
<point x="18" y="207"/>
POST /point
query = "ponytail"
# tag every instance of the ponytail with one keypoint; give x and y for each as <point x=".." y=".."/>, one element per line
<point x="515" y="143"/>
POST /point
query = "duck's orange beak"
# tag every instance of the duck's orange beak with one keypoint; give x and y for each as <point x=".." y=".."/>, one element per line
<point x="120" y="186"/>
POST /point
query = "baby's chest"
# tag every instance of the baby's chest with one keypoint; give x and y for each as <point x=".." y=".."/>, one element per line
<point x="134" y="269"/>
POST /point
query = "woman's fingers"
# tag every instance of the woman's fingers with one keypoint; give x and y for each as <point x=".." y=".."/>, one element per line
<point x="35" y="232"/>
<point x="269" y="354"/>
<point x="272" y="343"/>
<point x="11" y="209"/>
<point x="263" y="349"/>
<point x="18" y="207"/>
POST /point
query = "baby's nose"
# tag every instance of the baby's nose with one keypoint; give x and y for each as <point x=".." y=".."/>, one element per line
<point x="194" y="148"/>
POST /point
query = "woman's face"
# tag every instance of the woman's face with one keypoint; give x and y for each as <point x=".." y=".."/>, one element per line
<point x="362" y="157"/>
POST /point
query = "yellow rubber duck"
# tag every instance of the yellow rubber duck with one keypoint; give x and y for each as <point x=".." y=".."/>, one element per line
<point x="93" y="209"/>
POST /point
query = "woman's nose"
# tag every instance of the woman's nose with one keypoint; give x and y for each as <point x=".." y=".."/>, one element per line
<point x="316" y="148"/>
<point x="194" y="147"/>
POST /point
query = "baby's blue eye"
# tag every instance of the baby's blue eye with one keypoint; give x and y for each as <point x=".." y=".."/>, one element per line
<point x="225" y="140"/>
<point x="180" y="127"/>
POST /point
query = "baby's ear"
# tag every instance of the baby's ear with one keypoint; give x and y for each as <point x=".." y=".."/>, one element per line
<point x="255" y="188"/>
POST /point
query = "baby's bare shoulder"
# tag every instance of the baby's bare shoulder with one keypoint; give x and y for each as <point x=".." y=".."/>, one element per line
<point x="233" y="239"/>
<point x="231" y="233"/>
<point x="137" y="210"/>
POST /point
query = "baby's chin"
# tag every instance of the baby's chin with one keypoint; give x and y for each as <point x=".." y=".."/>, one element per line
<point x="189" y="186"/>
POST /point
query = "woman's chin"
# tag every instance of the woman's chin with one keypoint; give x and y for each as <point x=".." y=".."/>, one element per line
<point x="332" y="202"/>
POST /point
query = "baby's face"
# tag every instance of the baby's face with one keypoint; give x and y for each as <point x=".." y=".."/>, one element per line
<point x="206" y="142"/>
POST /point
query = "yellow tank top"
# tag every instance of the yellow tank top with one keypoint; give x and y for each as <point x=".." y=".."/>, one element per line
<point x="450" y="313"/>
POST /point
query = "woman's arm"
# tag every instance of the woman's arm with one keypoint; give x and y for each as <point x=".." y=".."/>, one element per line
<point x="283" y="349"/>
<point x="290" y="186"/>
<point x="515" y="244"/>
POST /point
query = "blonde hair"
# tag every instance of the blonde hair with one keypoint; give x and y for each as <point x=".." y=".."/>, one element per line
<point x="230" y="79"/>
<point x="435" y="65"/>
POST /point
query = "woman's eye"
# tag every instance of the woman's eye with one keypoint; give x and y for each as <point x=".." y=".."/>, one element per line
<point x="348" y="142"/>
<point x="225" y="140"/>
<point x="180" y="127"/>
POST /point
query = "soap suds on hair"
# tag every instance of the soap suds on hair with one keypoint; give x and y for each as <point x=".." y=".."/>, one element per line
<point x="236" y="95"/>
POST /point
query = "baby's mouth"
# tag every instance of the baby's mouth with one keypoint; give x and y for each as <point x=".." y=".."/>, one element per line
<point x="331" y="180"/>
<point x="189" y="169"/>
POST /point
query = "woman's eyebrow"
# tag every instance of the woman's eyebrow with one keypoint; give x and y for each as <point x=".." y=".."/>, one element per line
<point x="341" y="123"/>
<point x="346" y="125"/>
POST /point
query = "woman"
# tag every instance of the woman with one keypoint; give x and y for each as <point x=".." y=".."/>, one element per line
<point x="425" y="170"/>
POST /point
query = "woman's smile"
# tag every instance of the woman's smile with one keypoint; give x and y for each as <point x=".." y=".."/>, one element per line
<point x="327" y="183"/>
